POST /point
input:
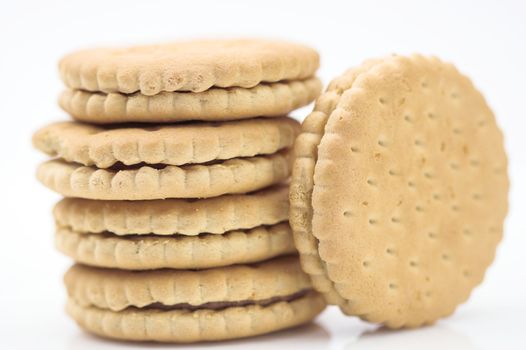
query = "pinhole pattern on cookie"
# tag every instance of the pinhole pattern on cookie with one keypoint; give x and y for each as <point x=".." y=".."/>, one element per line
<point x="432" y="171"/>
<point x="302" y="183"/>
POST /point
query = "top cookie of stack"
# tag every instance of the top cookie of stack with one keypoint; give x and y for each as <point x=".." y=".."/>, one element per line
<point x="195" y="80"/>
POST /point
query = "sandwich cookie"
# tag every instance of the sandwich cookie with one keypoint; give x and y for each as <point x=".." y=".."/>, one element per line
<point x="399" y="191"/>
<point x="230" y="302"/>
<point x="306" y="147"/>
<point x="195" y="80"/>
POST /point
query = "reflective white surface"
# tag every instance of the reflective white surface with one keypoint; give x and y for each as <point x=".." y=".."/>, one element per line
<point x="474" y="327"/>
<point x="484" y="39"/>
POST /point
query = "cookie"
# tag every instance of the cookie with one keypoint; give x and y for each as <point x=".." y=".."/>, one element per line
<point x="181" y="326"/>
<point x="302" y="182"/>
<point x="117" y="290"/>
<point x="207" y="299"/>
<point x="238" y="175"/>
<point x="216" y="104"/>
<point x="174" y="144"/>
<point x="187" y="66"/>
<point x="175" y="216"/>
<point x="177" y="251"/>
<point x="409" y="191"/>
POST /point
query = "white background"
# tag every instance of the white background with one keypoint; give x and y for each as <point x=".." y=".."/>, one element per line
<point x="485" y="40"/>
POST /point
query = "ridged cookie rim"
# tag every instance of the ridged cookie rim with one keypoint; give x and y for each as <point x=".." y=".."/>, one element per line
<point x="173" y="144"/>
<point x="176" y="252"/>
<point x="215" y="104"/>
<point x="215" y="215"/>
<point x="230" y="323"/>
<point x="118" y="289"/>
<point x="464" y="280"/>
<point x="203" y="65"/>
<point x="238" y="175"/>
<point x="302" y="183"/>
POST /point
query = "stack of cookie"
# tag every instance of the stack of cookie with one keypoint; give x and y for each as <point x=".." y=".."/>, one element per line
<point x="179" y="226"/>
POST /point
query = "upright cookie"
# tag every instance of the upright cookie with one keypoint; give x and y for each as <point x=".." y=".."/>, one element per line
<point x="215" y="104"/>
<point x="238" y="175"/>
<point x="409" y="191"/>
<point x="174" y="144"/>
<point x="187" y="66"/>
<point x="306" y="148"/>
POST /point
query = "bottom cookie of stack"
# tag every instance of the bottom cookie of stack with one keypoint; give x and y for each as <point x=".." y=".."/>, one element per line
<point x="189" y="306"/>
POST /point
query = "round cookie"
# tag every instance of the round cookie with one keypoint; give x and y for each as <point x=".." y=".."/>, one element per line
<point x="301" y="185"/>
<point x="189" y="306"/>
<point x="187" y="66"/>
<point x="216" y="104"/>
<point x="145" y="252"/>
<point x="409" y="191"/>
<point x="175" y="216"/>
<point x="238" y="175"/>
<point x="117" y="290"/>
<point x="181" y="326"/>
<point x="179" y="144"/>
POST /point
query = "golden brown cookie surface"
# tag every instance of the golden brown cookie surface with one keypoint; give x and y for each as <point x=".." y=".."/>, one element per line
<point x="146" y="252"/>
<point x="180" y="326"/>
<point x="188" y="306"/>
<point x="175" y="216"/>
<point x="238" y="175"/>
<point x="186" y="289"/>
<point x="409" y="192"/>
<point x="306" y="147"/>
<point x="174" y="144"/>
<point x="187" y="66"/>
<point x="216" y="104"/>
